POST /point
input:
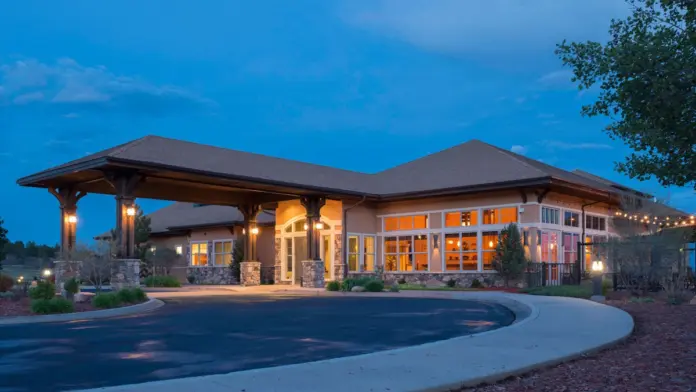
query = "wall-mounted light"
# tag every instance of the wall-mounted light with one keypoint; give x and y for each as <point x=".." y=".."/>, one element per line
<point x="254" y="230"/>
<point x="435" y="243"/>
<point x="179" y="249"/>
<point x="539" y="237"/>
<point x="525" y="238"/>
<point x="319" y="226"/>
<point x="47" y="272"/>
<point x="130" y="211"/>
<point x="72" y="218"/>
<point x="306" y="227"/>
<point x="490" y="244"/>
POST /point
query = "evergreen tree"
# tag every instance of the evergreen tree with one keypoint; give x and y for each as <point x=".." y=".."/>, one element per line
<point x="510" y="260"/>
<point x="3" y="241"/>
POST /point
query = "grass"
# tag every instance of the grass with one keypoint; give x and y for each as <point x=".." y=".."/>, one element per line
<point x="16" y="271"/>
<point x="573" y="291"/>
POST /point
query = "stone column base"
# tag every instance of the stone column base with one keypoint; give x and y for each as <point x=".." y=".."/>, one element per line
<point x="340" y="271"/>
<point x="64" y="270"/>
<point x="125" y="273"/>
<point x="250" y="273"/>
<point x="313" y="274"/>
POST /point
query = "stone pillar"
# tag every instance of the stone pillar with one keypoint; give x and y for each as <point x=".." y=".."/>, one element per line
<point x="125" y="273"/>
<point x="68" y="198"/>
<point x="63" y="271"/>
<point x="313" y="267"/>
<point x="250" y="273"/>
<point x="278" y="270"/>
<point x="340" y="268"/>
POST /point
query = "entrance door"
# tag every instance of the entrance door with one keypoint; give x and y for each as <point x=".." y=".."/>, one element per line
<point x="549" y="255"/>
<point x="300" y="254"/>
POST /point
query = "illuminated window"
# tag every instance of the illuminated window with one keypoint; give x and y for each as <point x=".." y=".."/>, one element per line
<point x="353" y="252"/>
<point x="410" y="222"/>
<point x="490" y="241"/>
<point x="222" y="253"/>
<point x="369" y="253"/>
<point x="461" y="252"/>
<point x="199" y="253"/>
<point x="571" y="219"/>
<point x="406" y="253"/>
<point x="461" y="218"/>
<point x="570" y="247"/>
<point x="494" y="216"/>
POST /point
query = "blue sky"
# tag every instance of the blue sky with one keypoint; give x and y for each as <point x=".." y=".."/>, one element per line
<point x="365" y="84"/>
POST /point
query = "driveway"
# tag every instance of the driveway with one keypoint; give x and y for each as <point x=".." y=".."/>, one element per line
<point x="206" y="335"/>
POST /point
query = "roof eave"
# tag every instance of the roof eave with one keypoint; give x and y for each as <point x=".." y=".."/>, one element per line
<point x="527" y="183"/>
<point x="35" y="180"/>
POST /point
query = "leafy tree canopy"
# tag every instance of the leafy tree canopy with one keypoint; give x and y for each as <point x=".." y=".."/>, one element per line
<point x="3" y="241"/>
<point x="646" y="74"/>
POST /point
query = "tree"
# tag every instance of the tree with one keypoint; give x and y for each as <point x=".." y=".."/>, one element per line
<point x="237" y="258"/>
<point x="3" y="242"/>
<point x="142" y="228"/>
<point x="510" y="260"/>
<point x="164" y="259"/>
<point x="647" y="83"/>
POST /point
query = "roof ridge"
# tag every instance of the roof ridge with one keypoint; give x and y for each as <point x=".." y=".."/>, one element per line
<point x="129" y="145"/>
<point x="515" y="157"/>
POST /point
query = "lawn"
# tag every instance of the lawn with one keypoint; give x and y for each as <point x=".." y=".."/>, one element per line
<point x="575" y="291"/>
<point x="16" y="271"/>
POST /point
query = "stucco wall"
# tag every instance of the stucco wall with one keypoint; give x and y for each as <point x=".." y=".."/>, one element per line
<point x="362" y="219"/>
<point x="290" y="209"/>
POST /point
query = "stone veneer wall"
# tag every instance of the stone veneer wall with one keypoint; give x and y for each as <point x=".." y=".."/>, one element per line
<point x="339" y="266"/>
<point x="125" y="273"/>
<point x="488" y="279"/>
<point x="211" y="275"/>
<point x="278" y="263"/>
<point x="64" y="270"/>
<point x="250" y="273"/>
<point x="313" y="273"/>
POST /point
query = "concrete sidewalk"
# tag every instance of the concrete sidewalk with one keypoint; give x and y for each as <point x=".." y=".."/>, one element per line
<point x="556" y="329"/>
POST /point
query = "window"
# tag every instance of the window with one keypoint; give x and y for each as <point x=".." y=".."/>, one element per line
<point x="571" y="219"/>
<point x="301" y="225"/>
<point x="199" y="253"/>
<point x="406" y="253"/>
<point x="570" y="247"/>
<point x="222" y="252"/>
<point x="549" y="247"/>
<point x="288" y="258"/>
<point x="179" y="249"/>
<point x="369" y="253"/>
<point x="550" y="215"/>
<point x="461" y="252"/>
<point x="490" y="241"/>
<point x="594" y="250"/>
<point x="410" y="222"/>
<point x="595" y="223"/>
<point x="353" y="252"/>
<point x="461" y="218"/>
<point x="494" y="216"/>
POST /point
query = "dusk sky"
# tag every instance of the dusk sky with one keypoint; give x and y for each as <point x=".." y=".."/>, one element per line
<point x="356" y="84"/>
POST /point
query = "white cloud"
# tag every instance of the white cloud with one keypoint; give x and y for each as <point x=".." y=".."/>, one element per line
<point x="519" y="149"/>
<point x="559" y="145"/>
<point x="485" y="26"/>
<point x="28" y="98"/>
<point x="557" y="78"/>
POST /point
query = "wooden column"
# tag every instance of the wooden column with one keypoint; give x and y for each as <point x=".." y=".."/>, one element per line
<point x="124" y="185"/>
<point x="250" y="213"/>
<point x="313" y="205"/>
<point x="68" y="198"/>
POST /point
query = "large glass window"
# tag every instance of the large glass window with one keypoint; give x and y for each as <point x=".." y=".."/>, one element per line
<point x="461" y="218"/>
<point x="570" y="247"/>
<point x="199" y="253"/>
<point x="594" y="250"/>
<point x="222" y="252"/>
<point x="409" y="222"/>
<point x="571" y="219"/>
<point x="550" y="215"/>
<point x="369" y="253"/>
<point x="288" y="258"/>
<point x="549" y="247"/>
<point x="490" y="241"/>
<point x="494" y="216"/>
<point x="406" y="253"/>
<point x="353" y="252"/>
<point x="461" y="252"/>
<point x="595" y="223"/>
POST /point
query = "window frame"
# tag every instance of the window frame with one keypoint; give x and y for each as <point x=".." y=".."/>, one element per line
<point x="461" y="252"/>
<point x="574" y="214"/>
<point x="556" y="212"/>
<point x="498" y="215"/>
<point x="476" y="211"/>
<point x="191" y="253"/>
<point x="412" y="253"/>
<point x="398" y="219"/>
<point x="215" y="254"/>
<point x="601" y="222"/>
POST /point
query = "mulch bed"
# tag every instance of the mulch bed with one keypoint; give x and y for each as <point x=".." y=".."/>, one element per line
<point x="659" y="356"/>
<point x="10" y="308"/>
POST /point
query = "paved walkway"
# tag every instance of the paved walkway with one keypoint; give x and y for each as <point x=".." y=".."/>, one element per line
<point x="556" y="329"/>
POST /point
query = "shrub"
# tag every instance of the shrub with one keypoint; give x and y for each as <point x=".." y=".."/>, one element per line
<point x="7" y="294"/>
<point x="106" y="300"/>
<point x="509" y="258"/>
<point x="333" y="286"/>
<point x="53" y="305"/>
<point x="451" y="282"/>
<point x="394" y="289"/>
<point x="131" y="295"/>
<point x="607" y="285"/>
<point x="6" y="283"/>
<point x="374" y="286"/>
<point x="43" y="290"/>
<point x="191" y="279"/>
<point x="72" y="286"/>
<point x="349" y="283"/>
<point x="476" y="284"/>
<point x="401" y="281"/>
<point x="561" y="291"/>
<point x="162" y="281"/>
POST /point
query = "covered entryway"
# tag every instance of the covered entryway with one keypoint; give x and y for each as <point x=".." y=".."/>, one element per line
<point x="293" y="238"/>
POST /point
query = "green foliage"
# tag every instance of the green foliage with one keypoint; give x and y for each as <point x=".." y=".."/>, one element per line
<point x="401" y="281"/>
<point x="374" y="286"/>
<point x="451" y="282"/>
<point x="53" y="305"/>
<point x="7" y="294"/>
<point x="641" y="300"/>
<point x="509" y="260"/>
<point x="191" y="279"/>
<point x="72" y="286"/>
<point x="476" y="284"/>
<point x="43" y="290"/>
<point x="106" y="300"/>
<point x="646" y="86"/>
<point x="131" y="295"/>
<point x="237" y="258"/>
<point x="21" y="251"/>
<point x="394" y="288"/>
<point x="3" y="242"/>
<point x="162" y="281"/>
<point x="333" y="286"/>
<point x="142" y="227"/>
<point x="6" y="283"/>
<point x="349" y="283"/>
<point x="561" y="291"/>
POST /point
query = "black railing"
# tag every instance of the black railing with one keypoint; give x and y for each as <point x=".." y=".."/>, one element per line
<point x="552" y="274"/>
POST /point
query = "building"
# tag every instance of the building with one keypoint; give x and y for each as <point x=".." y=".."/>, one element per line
<point x="437" y="217"/>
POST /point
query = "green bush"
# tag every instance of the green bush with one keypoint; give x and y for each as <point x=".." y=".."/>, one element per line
<point x="476" y="284"/>
<point x="162" y="281"/>
<point x="43" y="290"/>
<point x="394" y="288"/>
<point x="401" y="281"/>
<point x="7" y="294"/>
<point x="451" y="282"/>
<point x="349" y="283"/>
<point x="374" y="286"/>
<point x="53" y="305"/>
<point x="106" y="300"/>
<point x="561" y="291"/>
<point x="191" y="279"/>
<point x="72" y="286"/>
<point x="131" y="295"/>
<point x="333" y="286"/>
<point x="607" y="285"/>
<point x="6" y="283"/>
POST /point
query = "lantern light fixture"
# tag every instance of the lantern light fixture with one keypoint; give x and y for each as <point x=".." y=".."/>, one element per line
<point x="130" y="211"/>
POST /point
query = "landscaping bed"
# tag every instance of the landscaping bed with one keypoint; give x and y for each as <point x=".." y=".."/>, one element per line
<point x="659" y="356"/>
<point x="22" y="307"/>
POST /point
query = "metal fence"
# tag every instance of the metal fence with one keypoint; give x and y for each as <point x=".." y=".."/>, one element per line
<point x="553" y="274"/>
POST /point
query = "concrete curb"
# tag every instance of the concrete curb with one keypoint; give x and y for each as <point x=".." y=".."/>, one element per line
<point x="148" y="306"/>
